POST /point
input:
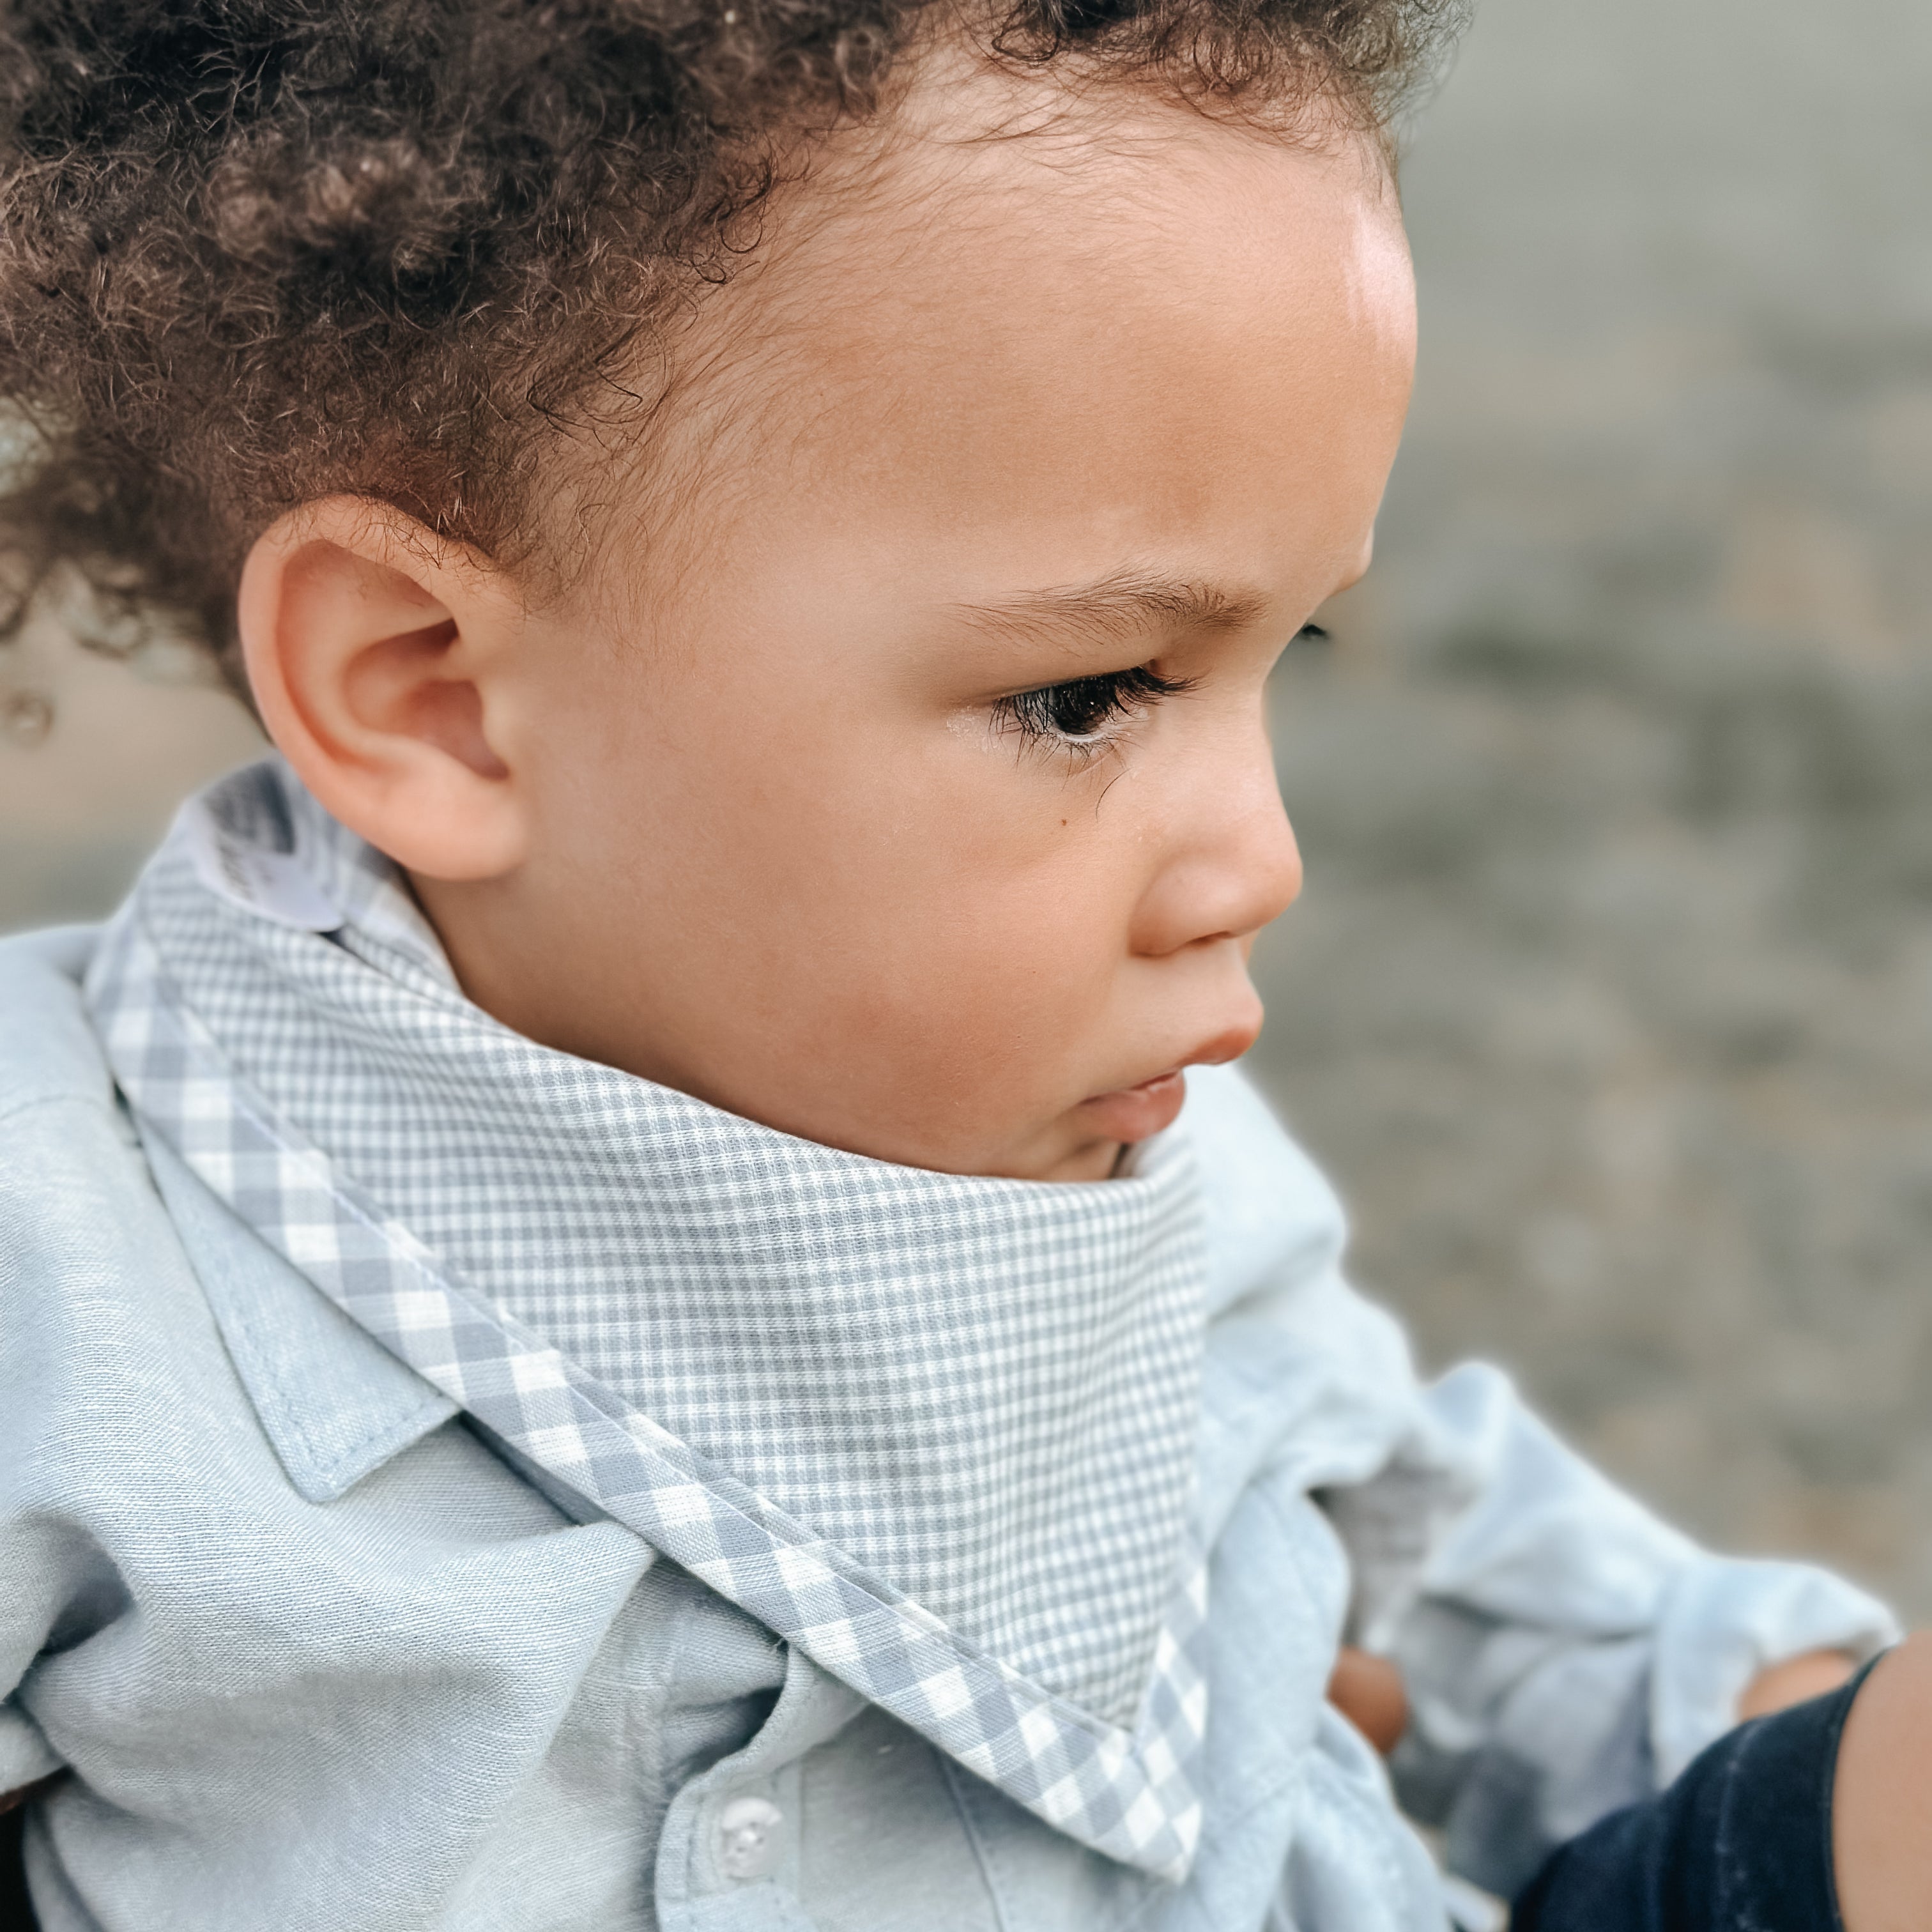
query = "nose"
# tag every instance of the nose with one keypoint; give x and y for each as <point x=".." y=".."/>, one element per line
<point x="1231" y="863"/>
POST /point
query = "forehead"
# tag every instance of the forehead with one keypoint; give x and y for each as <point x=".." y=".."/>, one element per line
<point x="1125" y="329"/>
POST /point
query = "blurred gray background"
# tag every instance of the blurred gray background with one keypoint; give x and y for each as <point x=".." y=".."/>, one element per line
<point x="1609" y="1000"/>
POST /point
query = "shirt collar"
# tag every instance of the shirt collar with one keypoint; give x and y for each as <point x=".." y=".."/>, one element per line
<point x="334" y="1404"/>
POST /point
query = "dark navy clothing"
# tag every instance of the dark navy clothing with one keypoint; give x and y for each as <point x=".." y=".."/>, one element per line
<point x="1740" y="1842"/>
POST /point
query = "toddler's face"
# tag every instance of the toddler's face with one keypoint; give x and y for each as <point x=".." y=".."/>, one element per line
<point x="901" y="780"/>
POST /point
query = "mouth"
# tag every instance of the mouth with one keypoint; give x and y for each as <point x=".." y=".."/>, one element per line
<point x="1131" y="1114"/>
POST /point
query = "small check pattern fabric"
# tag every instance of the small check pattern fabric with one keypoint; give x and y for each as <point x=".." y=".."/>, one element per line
<point x="936" y="1430"/>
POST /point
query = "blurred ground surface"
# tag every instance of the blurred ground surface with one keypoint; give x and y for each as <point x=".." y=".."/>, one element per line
<point x="1609" y="1001"/>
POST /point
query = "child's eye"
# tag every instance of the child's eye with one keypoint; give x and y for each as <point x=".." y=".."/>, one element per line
<point x="1082" y="713"/>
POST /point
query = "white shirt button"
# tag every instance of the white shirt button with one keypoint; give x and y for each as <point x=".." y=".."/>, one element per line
<point x="748" y="1831"/>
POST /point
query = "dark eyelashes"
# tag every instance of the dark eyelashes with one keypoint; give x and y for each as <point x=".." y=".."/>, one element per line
<point x="1079" y="712"/>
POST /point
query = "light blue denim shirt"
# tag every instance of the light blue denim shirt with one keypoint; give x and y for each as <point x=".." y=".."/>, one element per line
<point x="311" y="1654"/>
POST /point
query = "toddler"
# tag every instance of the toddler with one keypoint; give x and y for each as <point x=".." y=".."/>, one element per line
<point x="638" y="1288"/>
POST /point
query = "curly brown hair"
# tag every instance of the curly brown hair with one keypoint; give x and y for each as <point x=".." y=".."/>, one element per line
<point x="253" y="251"/>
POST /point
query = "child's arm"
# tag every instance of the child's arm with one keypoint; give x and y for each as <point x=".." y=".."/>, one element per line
<point x="1369" y="1691"/>
<point x="1564" y="1653"/>
<point x="1561" y="1652"/>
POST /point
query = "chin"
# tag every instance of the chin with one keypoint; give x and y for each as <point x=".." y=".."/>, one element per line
<point x="1085" y="1160"/>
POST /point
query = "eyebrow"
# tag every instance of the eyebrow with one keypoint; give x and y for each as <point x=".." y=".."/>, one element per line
<point x="1119" y="608"/>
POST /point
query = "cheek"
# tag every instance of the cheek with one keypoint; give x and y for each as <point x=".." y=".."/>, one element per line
<point x="934" y="914"/>
<point x="971" y="902"/>
<point x="893" y="936"/>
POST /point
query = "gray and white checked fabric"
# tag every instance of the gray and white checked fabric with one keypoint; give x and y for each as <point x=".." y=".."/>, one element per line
<point x="937" y="1430"/>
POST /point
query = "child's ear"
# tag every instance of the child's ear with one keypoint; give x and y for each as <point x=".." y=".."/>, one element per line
<point x="376" y="652"/>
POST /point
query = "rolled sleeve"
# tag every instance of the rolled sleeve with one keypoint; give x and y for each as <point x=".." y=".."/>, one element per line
<point x="1566" y="1652"/>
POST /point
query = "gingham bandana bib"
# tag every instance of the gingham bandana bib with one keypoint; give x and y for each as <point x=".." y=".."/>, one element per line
<point x="936" y="1431"/>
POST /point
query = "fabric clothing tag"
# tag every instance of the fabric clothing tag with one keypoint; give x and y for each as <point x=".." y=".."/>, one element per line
<point x="274" y="885"/>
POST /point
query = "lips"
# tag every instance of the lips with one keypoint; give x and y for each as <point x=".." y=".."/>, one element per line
<point x="1131" y="1114"/>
